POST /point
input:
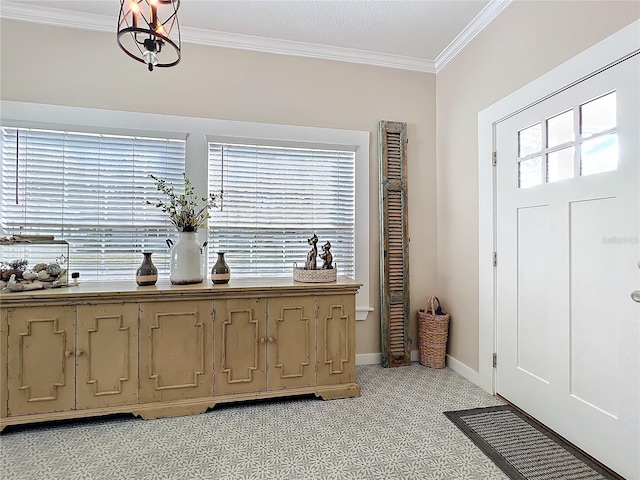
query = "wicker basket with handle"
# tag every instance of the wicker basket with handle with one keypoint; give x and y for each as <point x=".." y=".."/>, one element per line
<point x="314" y="276"/>
<point x="433" y="330"/>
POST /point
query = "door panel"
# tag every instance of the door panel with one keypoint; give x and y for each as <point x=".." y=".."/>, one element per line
<point x="175" y="343"/>
<point x="593" y="304"/>
<point x="240" y="346"/>
<point x="568" y="333"/>
<point x="336" y="340"/>
<point x="107" y="359"/>
<point x="291" y="350"/>
<point x="534" y="327"/>
<point x="4" y="360"/>
<point x="41" y="360"/>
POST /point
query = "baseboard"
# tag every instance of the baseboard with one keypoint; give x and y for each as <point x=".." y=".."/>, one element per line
<point x="368" y="358"/>
<point x="467" y="372"/>
<point x="455" y="365"/>
<point x="376" y="358"/>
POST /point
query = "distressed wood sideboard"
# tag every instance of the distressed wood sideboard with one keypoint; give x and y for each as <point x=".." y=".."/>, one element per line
<point x="167" y="350"/>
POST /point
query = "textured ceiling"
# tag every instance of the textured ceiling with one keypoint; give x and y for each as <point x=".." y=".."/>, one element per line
<point x="420" y="29"/>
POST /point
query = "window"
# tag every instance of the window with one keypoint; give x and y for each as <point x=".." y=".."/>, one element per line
<point x="91" y="190"/>
<point x="599" y="147"/>
<point x="273" y="199"/>
<point x="578" y="142"/>
<point x="185" y="141"/>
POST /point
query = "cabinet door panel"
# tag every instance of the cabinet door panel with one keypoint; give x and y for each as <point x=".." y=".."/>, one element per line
<point x="3" y="361"/>
<point x="107" y="360"/>
<point x="336" y="339"/>
<point x="41" y="360"/>
<point x="291" y="342"/>
<point x="240" y="346"/>
<point x="175" y="348"/>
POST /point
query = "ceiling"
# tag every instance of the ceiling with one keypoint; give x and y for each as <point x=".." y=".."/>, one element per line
<point x="414" y="35"/>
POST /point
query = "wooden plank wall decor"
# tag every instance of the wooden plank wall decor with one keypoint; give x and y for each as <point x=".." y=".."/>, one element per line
<point x="394" y="245"/>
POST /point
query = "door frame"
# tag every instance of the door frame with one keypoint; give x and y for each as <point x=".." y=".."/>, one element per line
<point x="611" y="50"/>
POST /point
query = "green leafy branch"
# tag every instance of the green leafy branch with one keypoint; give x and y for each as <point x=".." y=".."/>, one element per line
<point x="187" y="212"/>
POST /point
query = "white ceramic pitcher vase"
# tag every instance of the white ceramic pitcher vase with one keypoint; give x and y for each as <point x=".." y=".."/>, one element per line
<point x="186" y="260"/>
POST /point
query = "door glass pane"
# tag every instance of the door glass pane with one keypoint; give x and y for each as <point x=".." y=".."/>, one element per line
<point x="599" y="155"/>
<point x="560" y="129"/>
<point x="598" y="115"/>
<point x="530" y="172"/>
<point x="560" y="164"/>
<point x="530" y="140"/>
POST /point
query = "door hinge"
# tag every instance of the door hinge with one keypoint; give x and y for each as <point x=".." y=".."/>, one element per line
<point x="494" y="159"/>
<point x="495" y="259"/>
<point x="495" y="360"/>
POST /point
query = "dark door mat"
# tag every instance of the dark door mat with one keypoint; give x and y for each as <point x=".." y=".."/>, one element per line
<point x="524" y="449"/>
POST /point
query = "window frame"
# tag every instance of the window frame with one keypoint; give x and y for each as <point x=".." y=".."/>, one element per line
<point x="289" y="144"/>
<point x="90" y="241"/>
<point x="197" y="132"/>
<point x="579" y="138"/>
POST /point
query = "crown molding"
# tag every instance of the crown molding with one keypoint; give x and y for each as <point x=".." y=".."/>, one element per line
<point x="63" y="18"/>
<point x="484" y="18"/>
<point x="56" y="17"/>
<point x="300" y="49"/>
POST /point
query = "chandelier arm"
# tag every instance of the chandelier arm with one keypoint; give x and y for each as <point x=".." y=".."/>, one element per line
<point x="173" y="18"/>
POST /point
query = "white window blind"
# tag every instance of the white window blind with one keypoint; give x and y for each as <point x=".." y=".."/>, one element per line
<point x="90" y="190"/>
<point x="273" y="199"/>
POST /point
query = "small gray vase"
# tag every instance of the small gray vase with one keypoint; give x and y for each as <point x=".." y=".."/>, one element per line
<point x="220" y="272"/>
<point x="147" y="273"/>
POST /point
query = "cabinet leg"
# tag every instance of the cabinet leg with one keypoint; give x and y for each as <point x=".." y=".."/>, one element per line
<point x="149" y="412"/>
<point x="341" y="391"/>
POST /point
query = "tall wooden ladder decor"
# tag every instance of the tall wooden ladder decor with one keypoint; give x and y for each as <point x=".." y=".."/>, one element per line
<point x="394" y="245"/>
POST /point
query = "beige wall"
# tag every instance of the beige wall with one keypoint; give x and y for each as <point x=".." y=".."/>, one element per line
<point x="87" y="69"/>
<point x="525" y="41"/>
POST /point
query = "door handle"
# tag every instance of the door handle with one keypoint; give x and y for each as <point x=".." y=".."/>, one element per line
<point x="635" y="295"/>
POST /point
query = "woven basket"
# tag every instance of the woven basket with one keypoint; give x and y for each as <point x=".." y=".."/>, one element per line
<point x="314" y="276"/>
<point x="433" y="331"/>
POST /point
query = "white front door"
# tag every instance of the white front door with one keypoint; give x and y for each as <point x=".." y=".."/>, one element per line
<point x="568" y="216"/>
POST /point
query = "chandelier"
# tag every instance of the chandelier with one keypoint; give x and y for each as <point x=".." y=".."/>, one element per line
<point x="148" y="31"/>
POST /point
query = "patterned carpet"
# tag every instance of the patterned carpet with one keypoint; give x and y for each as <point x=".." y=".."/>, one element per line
<point x="395" y="430"/>
<point x="522" y="449"/>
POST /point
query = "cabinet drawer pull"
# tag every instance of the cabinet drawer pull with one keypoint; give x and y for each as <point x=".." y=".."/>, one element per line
<point x="261" y="339"/>
<point x="270" y="339"/>
<point x="68" y="353"/>
<point x="79" y="352"/>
